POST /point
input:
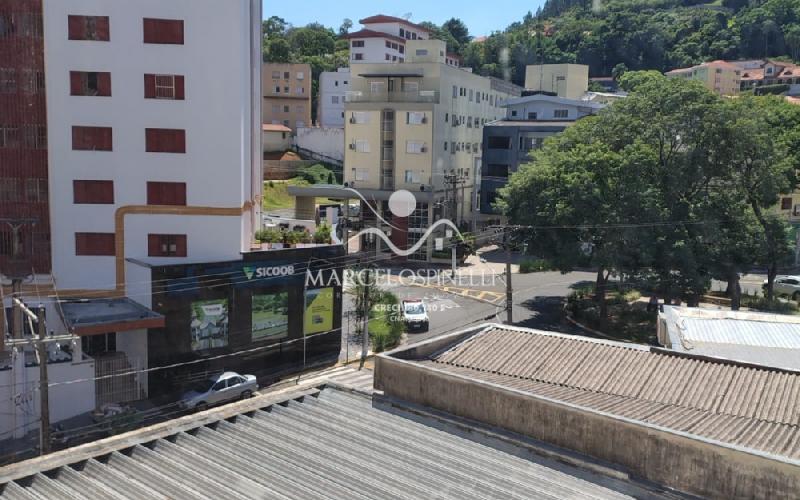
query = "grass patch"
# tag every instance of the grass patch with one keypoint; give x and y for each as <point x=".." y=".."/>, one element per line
<point x="276" y="194"/>
<point x="535" y="266"/>
<point x="759" y="303"/>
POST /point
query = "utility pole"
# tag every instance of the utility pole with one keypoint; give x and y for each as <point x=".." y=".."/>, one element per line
<point x="366" y="308"/>
<point x="44" y="388"/>
<point x="509" y="289"/>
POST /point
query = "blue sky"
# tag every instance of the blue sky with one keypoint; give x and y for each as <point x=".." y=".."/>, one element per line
<point x="480" y="17"/>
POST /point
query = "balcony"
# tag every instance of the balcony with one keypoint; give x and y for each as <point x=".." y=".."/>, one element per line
<point x="427" y="96"/>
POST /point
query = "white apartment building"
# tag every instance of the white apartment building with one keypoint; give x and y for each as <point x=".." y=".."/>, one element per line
<point x="383" y="39"/>
<point x="410" y="125"/>
<point x="333" y="86"/>
<point x="154" y="151"/>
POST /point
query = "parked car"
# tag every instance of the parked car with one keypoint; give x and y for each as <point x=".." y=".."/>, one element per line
<point x="786" y="286"/>
<point x="415" y="315"/>
<point x="219" y="389"/>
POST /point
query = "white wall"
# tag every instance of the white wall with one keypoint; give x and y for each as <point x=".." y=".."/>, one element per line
<point x="332" y="84"/>
<point x="21" y="408"/>
<point x="324" y="141"/>
<point x="545" y="111"/>
<point x="375" y="51"/>
<point x="216" y="114"/>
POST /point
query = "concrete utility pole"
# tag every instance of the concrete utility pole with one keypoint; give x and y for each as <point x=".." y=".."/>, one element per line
<point x="509" y="289"/>
<point x="44" y="388"/>
<point x="366" y="306"/>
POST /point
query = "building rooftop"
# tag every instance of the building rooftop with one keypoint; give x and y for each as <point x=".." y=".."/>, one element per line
<point x="94" y="316"/>
<point x="736" y="404"/>
<point x="550" y="98"/>
<point x="367" y="33"/>
<point x="271" y="127"/>
<point x="766" y="339"/>
<point x="328" y="444"/>
<point x="381" y="18"/>
<point x="544" y="124"/>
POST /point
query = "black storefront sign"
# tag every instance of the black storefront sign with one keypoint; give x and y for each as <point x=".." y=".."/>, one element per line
<point x="245" y="315"/>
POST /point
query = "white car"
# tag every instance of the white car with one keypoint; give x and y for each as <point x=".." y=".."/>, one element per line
<point x="786" y="285"/>
<point x="415" y="315"/>
<point x="228" y="386"/>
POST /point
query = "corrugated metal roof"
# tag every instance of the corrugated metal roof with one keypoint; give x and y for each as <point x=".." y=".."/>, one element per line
<point x="743" y="405"/>
<point x="768" y="339"/>
<point x="336" y="445"/>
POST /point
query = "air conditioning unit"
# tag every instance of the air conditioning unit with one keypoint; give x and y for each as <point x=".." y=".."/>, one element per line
<point x="423" y="149"/>
<point x="353" y="146"/>
<point x="352" y="119"/>
<point x="424" y="119"/>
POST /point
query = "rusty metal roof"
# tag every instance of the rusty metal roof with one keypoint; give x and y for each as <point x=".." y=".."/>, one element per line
<point x="735" y="403"/>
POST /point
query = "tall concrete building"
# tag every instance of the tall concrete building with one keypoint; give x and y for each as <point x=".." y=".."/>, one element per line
<point x="287" y="95"/>
<point x="570" y="81"/>
<point x="333" y="87"/>
<point x="24" y="210"/>
<point x="418" y="126"/>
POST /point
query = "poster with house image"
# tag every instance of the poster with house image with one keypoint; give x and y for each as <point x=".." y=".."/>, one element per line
<point x="270" y="316"/>
<point x="209" y="324"/>
<point x="319" y="311"/>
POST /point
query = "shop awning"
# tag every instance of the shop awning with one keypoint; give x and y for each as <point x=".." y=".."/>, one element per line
<point x="96" y="316"/>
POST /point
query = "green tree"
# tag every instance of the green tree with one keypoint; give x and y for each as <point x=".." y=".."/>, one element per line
<point x="277" y="51"/>
<point x="459" y="32"/>
<point x="792" y="38"/>
<point x="618" y="71"/>
<point x="344" y="28"/>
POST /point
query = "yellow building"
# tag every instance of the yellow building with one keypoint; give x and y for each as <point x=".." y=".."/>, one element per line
<point x="287" y="95"/>
<point x="418" y="126"/>
<point x="570" y="81"/>
<point x="721" y="77"/>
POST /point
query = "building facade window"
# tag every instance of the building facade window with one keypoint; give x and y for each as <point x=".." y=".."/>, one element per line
<point x="415" y="118"/>
<point x="36" y="190"/>
<point x="361" y="146"/>
<point x="415" y="147"/>
<point x="93" y="192"/>
<point x="9" y="136"/>
<point x="165" y="140"/>
<point x="163" y="31"/>
<point x="357" y="43"/>
<point x="499" y="142"/>
<point x="95" y="244"/>
<point x="166" y="193"/>
<point x="166" y="245"/>
<point x="90" y="83"/>
<point x="8" y="81"/>
<point x="413" y="177"/>
<point x="786" y="203"/>
<point x="164" y="87"/>
<point x="94" y="28"/>
<point x="359" y="117"/>
<point x="92" y="138"/>
<point x="34" y="136"/>
<point x="358" y="56"/>
<point x="32" y="81"/>
<point x="561" y="113"/>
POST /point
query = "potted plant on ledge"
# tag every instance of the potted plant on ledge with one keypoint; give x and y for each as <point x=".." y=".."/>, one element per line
<point x="323" y="235"/>
<point x="270" y="238"/>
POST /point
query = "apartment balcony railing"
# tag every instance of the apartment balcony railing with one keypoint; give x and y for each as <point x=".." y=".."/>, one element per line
<point x="430" y="96"/>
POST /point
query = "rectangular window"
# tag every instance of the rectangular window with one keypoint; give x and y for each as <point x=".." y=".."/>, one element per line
<point x="402" y="32"/>
<point x="413" y="177"/>
<point x="276" y="108"/>
<point x="8" y="81"/>
<point x="422" y="52"/>
<point x="164" y="31"/>
<point x="359" y="117"/>
<point x="362" y="146"/>
<point x="90" y="83"/>
<point x="415" y="118"/>
<point x="92" y="138"/>
<point x="561" y="113"/>
<point x="165" y="140"/>
<point x="286" y="109"/>
<point x="499" y="142"/>
<point x="10" y="189"/>
<point x="9" y="136"/>
<point x="93" y="192"/>
<point x="415" y="147"/>
<point x="36" y="190"/>
<point x="335" y="99"/>
<point x="285" y="75"/>
<point x="786" y="203"/>
<point x="166" y="245"/>
<point x="358" y="56"/>
<point x="497" y="170"/>
<point x="88" y="28"/>
<point x="34" y="136"/>
<point x="276" y="74"/>
<point x="532" y="116"/>
<point x="388" y="44"/>
<point x="95" y="244"/>
<point x="357" y="43"/>
<point x="166" y="193"/>
<point x="33" y="81"/>
<point x="164" y="87"/>
<point x="361" y="174"/>
<point x="300" y="75"/>
<point x="455" y="91"/>
<point x="402" y="49"/>
<point x="300" y="90"/>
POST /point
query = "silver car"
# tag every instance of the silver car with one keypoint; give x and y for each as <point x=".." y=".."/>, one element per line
<point x="788" y="286"/>
<point x="219" y="389"/>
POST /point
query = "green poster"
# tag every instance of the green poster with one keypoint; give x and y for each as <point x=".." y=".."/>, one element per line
<point x="319" y="311"/>
<point x="270" y="316"/>
<point x="209" y="325"/>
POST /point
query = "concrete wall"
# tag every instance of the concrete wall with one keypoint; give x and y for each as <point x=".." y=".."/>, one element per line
<point x="565" y="80"/>
<point x="323" y="141"/>
<point x="275" y="141"/>
<point x="333" y="86"/>
<point x="287" y="101"/>
<point x="668" y="458"/>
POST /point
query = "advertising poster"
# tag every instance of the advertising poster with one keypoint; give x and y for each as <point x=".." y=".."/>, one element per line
<point x="209" y="324"/>
<point x="270" y="316"/>
<point x="319" y="311"/>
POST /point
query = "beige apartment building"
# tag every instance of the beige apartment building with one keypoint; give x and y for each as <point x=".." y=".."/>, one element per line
<point x="418" y="126"/>
<point x="570" y="81"/>
<point x="287" y="95"/>
<point x="720" y="77"/>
